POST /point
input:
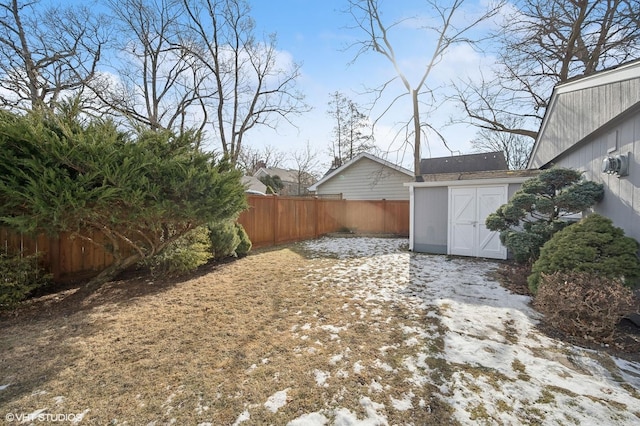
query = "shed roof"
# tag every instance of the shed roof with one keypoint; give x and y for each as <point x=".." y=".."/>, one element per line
<point x="489" y="177"/>
<point x="464" y="163"/>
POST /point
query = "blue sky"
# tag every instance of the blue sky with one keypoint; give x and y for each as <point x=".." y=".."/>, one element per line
<point x="315" y="34"/>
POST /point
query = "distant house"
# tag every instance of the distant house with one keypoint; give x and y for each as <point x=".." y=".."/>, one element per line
<point x="253" y="185"/>
<point x="295" y="182"/>
<point x="365" y="177"/>
<point x="448" y="209"/>
<point x="592" y="124"/>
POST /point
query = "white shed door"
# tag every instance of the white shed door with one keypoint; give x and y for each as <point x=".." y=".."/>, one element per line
<point x="468" y="210"/>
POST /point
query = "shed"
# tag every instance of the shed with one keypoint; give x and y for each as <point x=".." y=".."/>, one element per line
<point x="365" y="177"/>
<point x="592" y="124"/>
<point x="448" y="211"/>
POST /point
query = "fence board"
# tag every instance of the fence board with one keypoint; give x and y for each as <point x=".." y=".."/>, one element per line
<point x="269" y="221"/>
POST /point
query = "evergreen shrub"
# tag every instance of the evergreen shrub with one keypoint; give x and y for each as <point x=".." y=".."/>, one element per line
<point x="224" y="238"/>
<point x="19" y="277"/>
<point x="540" y="208"/>
<point x="183" y="255"/>
<point x="592" y="245"/>
<point x="244" y="246"/>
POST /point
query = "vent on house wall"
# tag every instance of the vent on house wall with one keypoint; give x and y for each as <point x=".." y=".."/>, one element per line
<point x="616" y="165"/>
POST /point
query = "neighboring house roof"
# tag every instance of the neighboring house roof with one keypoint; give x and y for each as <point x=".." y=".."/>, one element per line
<point x="464" y="163"/>
<point x="285" y="175"/>
<point x="354" y="160"/>
<point x="253" y="185"/>
<point x="582" y="106"/>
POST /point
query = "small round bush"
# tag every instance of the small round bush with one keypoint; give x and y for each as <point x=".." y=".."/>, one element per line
<point x="245" y="243"/>
<point x="592" y="245"/>
<point x="224" y="239"/>
<point x="583" y="304"/>
<point x="184" y="255"/>
<point x="20" y="276"/>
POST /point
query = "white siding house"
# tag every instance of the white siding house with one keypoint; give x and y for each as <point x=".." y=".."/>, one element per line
<point x="593" y="119"/>
<point x="365" y="177"/>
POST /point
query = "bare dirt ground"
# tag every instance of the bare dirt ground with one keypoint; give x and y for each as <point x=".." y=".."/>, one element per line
<point x="345" y="333"/>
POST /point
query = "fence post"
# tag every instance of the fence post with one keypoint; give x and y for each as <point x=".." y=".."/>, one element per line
<point x="384" y="215"/>
<point x="274" y="211"/>
<point x="317" y="215"/>
<point x="54" y="257"/>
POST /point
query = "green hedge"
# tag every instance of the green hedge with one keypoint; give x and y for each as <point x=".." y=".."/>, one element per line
<point x="592" y="245"/>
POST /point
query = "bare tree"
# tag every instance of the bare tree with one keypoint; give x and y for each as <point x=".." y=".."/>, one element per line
<point x="352" y="133"/>
<point x="253" y="86"/>
<point x="161" y="83"/>
<point x="544" y="43"/>
<point x="516" y="148"/>
<point x="306" y="165"/>
<point x="447" y="33"/>
<point x="47" y="52"/>
<point x="251" y="159"/>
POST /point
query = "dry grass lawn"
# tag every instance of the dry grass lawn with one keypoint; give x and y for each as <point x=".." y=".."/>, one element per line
<point x="211" y="349"/>
<point x="328" y="332"/>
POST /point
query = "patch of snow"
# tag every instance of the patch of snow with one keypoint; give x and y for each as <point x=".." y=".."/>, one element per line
<point x="375" y="387"/>
<point x="321" y="377"/>
<point x="311" y="419"/>
<point x="342" y="374"/>
<point x="335" y="359"/>
<point x="383" y="366"/>
<point x="3" y="387"/>
<point x="345" y="417"/>
<point x="487" y="329"/>
<point x="243" y="417"/>
<point x="277" y="400"/>
<point x="58" y="399"/>
<point x="403" y="404"/>
<point x="412" y="341"/>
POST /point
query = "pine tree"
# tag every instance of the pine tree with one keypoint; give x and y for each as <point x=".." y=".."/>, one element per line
<point x="538" y="210"/>
<point x="141" y="193"/>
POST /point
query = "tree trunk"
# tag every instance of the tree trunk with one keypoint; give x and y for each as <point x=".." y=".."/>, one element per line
<point x="416" y="143"/>
<point x="110" y="272"/>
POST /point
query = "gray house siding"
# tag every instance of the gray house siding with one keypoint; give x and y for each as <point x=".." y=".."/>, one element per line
<point x="367" y="180"/>
<point x="580" y="108"/>
<point x="621" y="201"/>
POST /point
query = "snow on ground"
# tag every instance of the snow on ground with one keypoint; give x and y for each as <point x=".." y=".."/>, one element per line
<point x="502" y="367"/>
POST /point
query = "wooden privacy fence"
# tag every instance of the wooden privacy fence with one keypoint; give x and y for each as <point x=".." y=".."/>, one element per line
<point x="270" y="220"/>
<point x="62" y="256"/>
<point x="274" y="220"/>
